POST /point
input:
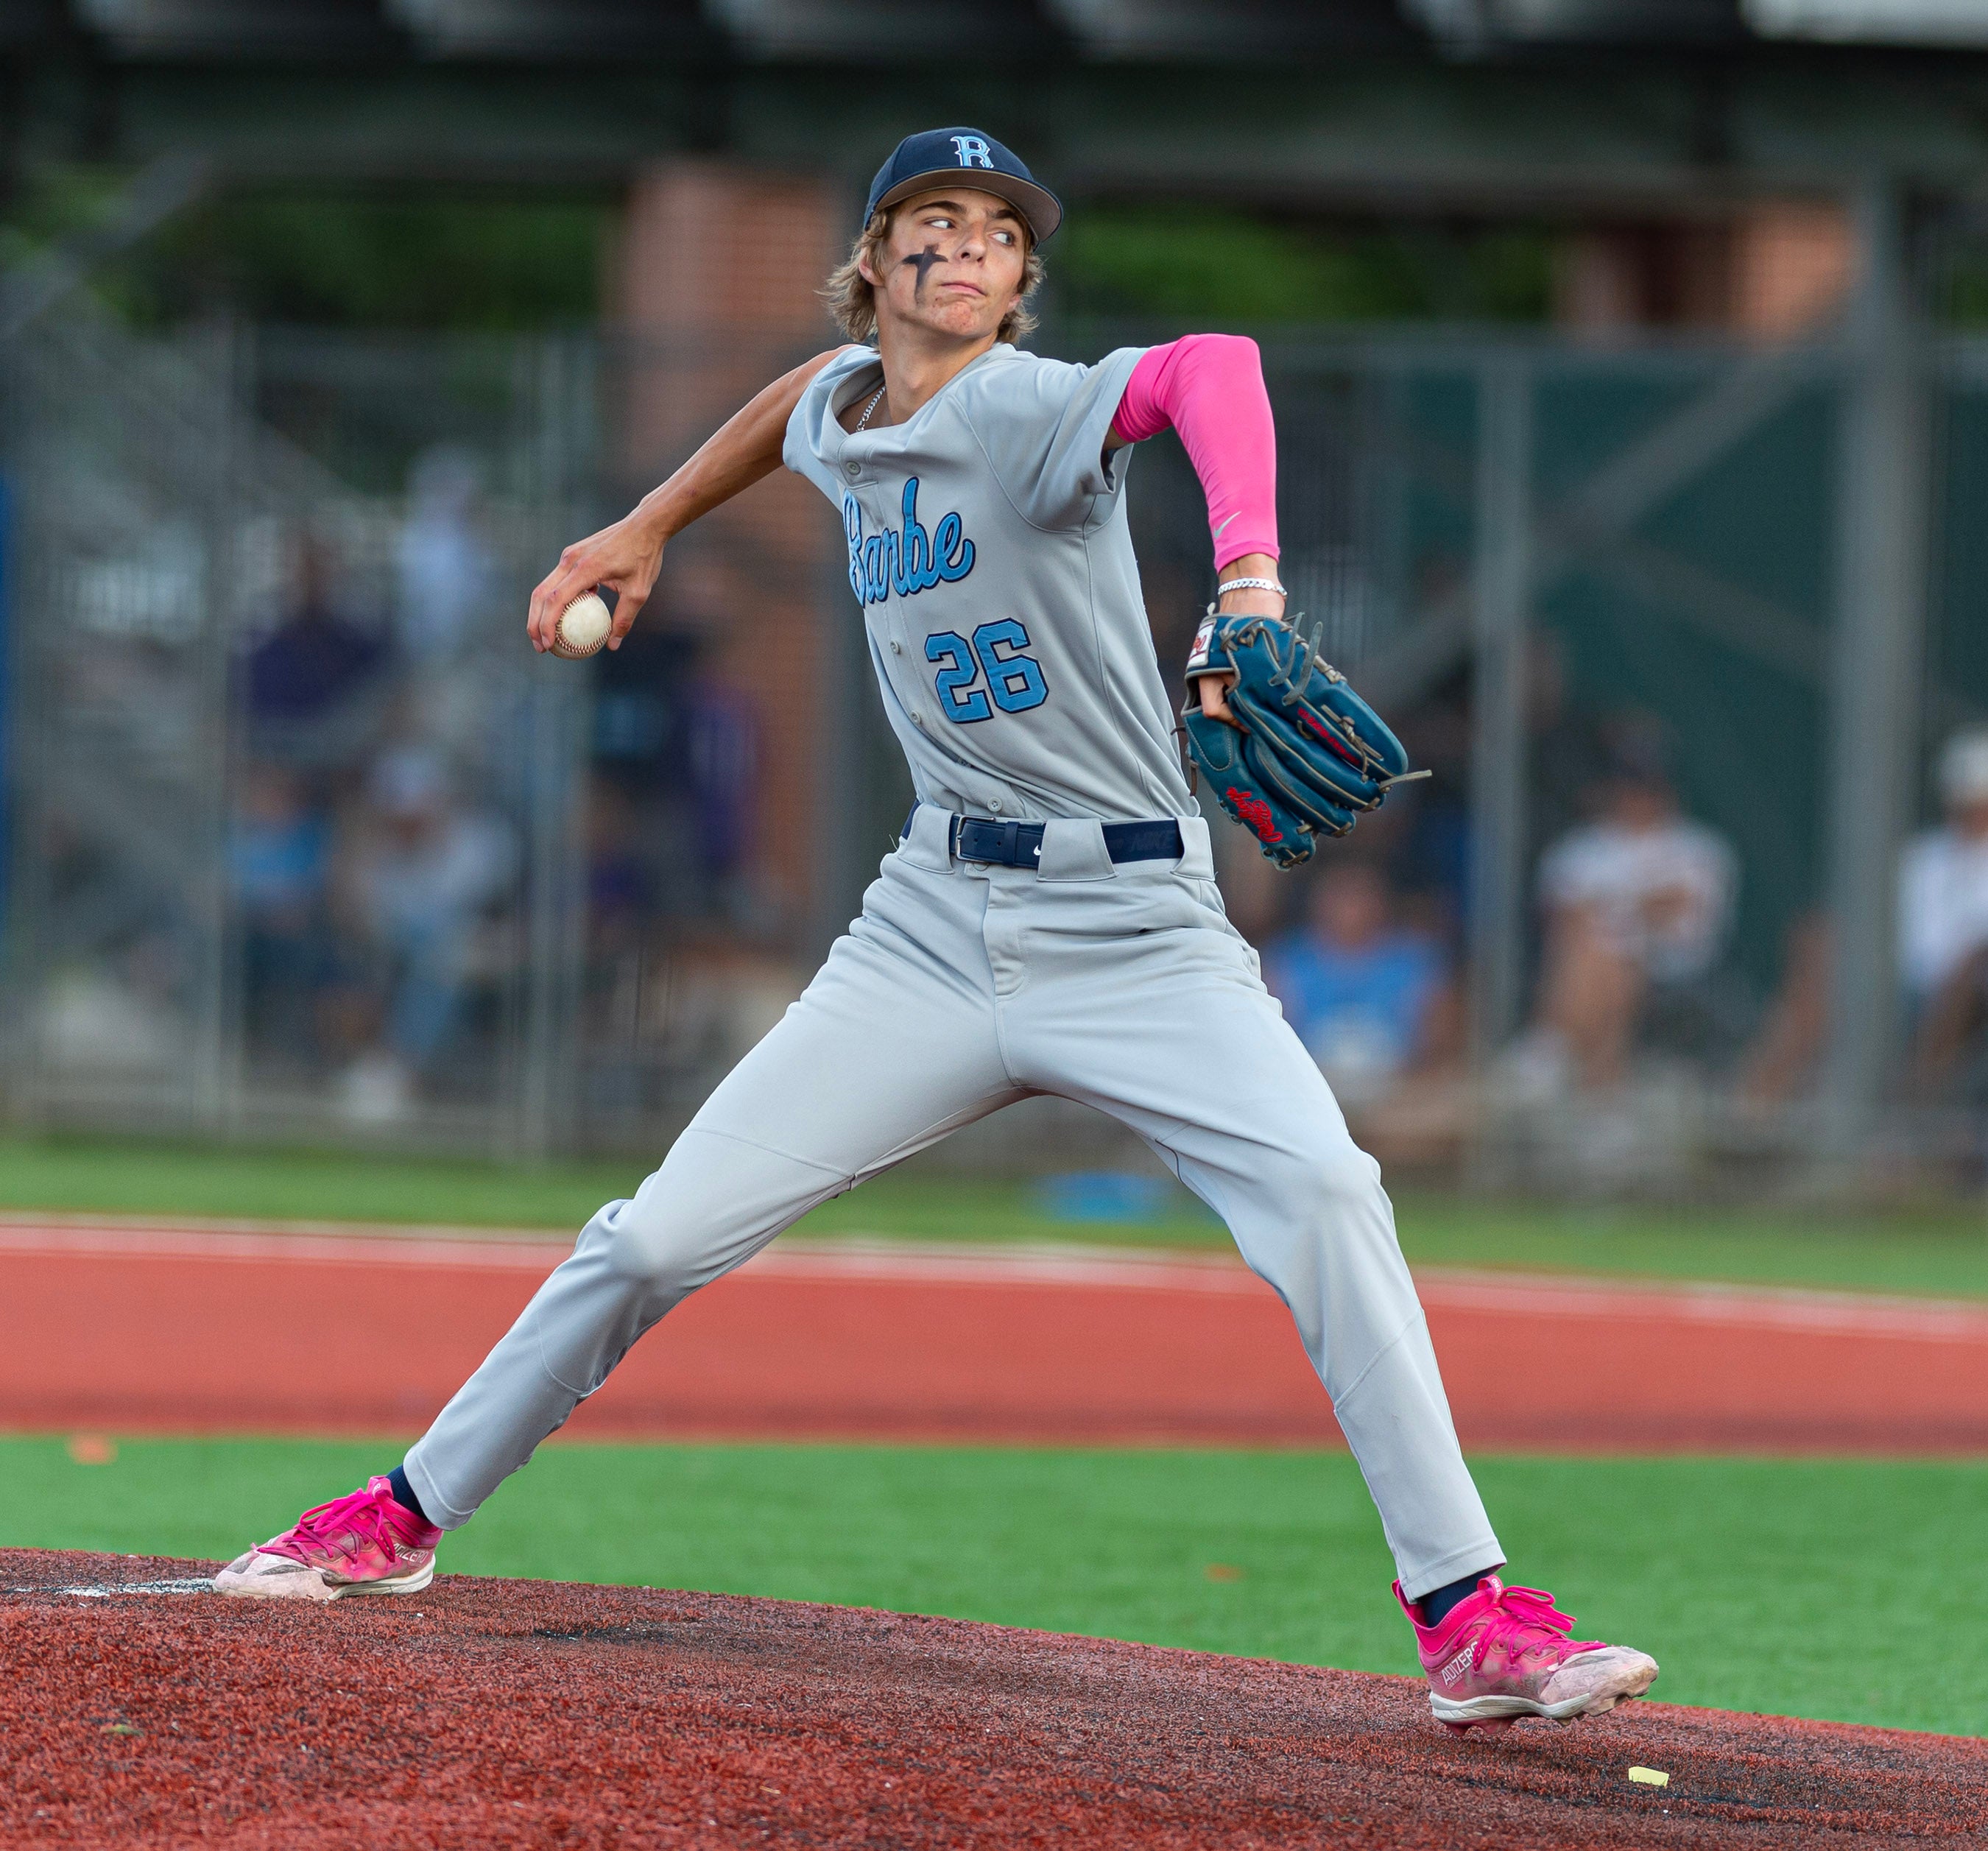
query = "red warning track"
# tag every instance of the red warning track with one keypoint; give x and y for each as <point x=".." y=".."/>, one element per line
<point x="509" y="1713"/>
<point x="193" y="1329"/>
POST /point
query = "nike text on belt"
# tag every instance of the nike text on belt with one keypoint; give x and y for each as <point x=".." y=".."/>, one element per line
<point x="1019" y="845"/>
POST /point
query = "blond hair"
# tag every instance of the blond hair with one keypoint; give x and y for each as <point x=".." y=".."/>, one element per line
<point x="851" y="299"/>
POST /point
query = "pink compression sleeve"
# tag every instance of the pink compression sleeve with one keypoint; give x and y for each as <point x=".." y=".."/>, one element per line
<point x="1209" y="387"/>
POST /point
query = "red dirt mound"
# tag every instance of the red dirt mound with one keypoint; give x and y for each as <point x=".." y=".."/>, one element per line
<point x="488" y="1712"/>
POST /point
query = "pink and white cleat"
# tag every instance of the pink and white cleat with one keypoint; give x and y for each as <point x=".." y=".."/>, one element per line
<point x="1506" y="1652"/>
<point x="362" y="1543"/>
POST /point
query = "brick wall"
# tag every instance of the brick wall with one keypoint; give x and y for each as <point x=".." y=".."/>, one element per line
<point x="715" y="293"/>
<point x="1771" y="269"/>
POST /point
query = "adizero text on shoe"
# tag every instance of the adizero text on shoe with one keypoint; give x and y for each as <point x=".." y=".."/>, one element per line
<point x="363" y="1543"/>
<point x="1505" y="1652"/>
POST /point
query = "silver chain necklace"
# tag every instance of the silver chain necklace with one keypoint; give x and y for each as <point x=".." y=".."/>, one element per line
<point x="875" y="397"/>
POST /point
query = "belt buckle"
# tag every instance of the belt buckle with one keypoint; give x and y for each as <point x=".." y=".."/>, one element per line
<point x="983" y="840"/>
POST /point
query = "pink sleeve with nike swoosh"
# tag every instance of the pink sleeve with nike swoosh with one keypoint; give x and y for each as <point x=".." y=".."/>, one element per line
<point x="1209" y="387"/>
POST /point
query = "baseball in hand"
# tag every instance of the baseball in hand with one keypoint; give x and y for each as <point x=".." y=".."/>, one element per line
<point x="583" y="627"/>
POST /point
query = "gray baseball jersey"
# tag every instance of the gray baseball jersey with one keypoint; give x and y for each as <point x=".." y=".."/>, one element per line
<point x="988" y="548"/>
<point x="987" y="543"/>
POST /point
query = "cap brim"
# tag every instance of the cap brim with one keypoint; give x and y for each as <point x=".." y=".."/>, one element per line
<point x="1038" y="205"/>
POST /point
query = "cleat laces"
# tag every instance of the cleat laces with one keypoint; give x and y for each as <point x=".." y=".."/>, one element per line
<point x="1524" y="1623"/>
<point x="343" y="1529"/>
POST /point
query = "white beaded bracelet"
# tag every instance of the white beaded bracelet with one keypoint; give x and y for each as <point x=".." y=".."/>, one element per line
<point x="1251" y="585"/>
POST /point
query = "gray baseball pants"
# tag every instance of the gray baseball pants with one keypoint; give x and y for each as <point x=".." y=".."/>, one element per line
<point x="960" y="989"/>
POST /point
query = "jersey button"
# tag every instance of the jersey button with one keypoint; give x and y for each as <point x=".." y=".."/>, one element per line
<point x="897" y="648"/>
<point x="918" y="719"/>
<point x="852" y="469"/>
<point x="994" y="804"/>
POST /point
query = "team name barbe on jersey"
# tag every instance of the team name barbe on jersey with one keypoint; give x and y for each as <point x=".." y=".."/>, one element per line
<point x="906" y="561"/>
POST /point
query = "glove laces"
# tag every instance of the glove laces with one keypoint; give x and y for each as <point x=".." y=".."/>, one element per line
<point x="1293" y="674"/>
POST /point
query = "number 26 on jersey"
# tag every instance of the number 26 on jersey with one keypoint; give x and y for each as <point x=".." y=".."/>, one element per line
<point x="1014" y="681"/>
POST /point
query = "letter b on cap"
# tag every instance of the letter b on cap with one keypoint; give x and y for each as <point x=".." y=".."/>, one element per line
<point x="973" y="151"/>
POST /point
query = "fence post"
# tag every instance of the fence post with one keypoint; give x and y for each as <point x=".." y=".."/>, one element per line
<point x="556" y="708"/>
<point x="1883" y="469"/>
<point x="1501" y="601"/>
<point x="227" y="361"/>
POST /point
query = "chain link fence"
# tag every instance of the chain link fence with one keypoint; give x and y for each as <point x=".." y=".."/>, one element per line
<point x="293" y="840"/>
<point x="305" y="843"/>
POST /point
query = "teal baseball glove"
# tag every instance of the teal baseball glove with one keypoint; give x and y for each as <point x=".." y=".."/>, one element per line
<point x="1306" y="754"/>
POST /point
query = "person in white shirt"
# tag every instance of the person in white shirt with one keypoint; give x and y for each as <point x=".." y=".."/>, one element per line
<point x="1943" y="911"/>
<point x="1638" y="902"/>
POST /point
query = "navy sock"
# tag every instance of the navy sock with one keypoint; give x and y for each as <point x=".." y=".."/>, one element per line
<point x="404" y="1493"/>
<point x="1436" y="1605"/>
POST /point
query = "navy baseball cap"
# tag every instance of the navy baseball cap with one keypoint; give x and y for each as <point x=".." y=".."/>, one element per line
<point x="921" y="162"/>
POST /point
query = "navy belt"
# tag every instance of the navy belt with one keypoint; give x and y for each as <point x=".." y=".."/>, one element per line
<point x="1019" y="845"/>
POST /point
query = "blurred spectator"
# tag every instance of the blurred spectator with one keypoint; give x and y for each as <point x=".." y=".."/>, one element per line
<point x="1423" y="833"/>
<point x="1782" y="1062"/>
<point x="723" y="755"/>
<point x="1424" y="837"/>
<point x="1568" y="758"/>
<point x="1943" y="913"/>
<point x="445" y="583"/>
<point x="621" y="886"/>
<point x="1638" y="904"/>
<point x="1371" y="1001"/>
<point x="279" y="860"/>
<point x="419" y="884"/>
<point x="1942" y="948"/>
<point x="637" y="694"/>
<point x="305" y="677"/>
<point x="444" y="577"/>
<point x="683" y="746"/>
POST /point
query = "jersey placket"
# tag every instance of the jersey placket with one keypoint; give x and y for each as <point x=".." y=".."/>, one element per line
<point x="901" y="662"/>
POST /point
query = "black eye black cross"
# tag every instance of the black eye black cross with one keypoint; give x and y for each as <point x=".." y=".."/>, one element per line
<point x="922" y="262"/>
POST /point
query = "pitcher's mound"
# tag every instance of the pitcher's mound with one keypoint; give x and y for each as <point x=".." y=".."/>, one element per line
<point x="136" y="1708"/>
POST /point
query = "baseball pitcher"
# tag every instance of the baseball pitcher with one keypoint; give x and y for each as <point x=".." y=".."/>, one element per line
<point x="1049" y="921"/>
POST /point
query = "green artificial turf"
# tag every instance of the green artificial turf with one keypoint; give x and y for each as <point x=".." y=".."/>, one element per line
<point x="147" y="1177"/>
<point x="1939" y="1253"/>
<point x="1820" y="1588"/>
